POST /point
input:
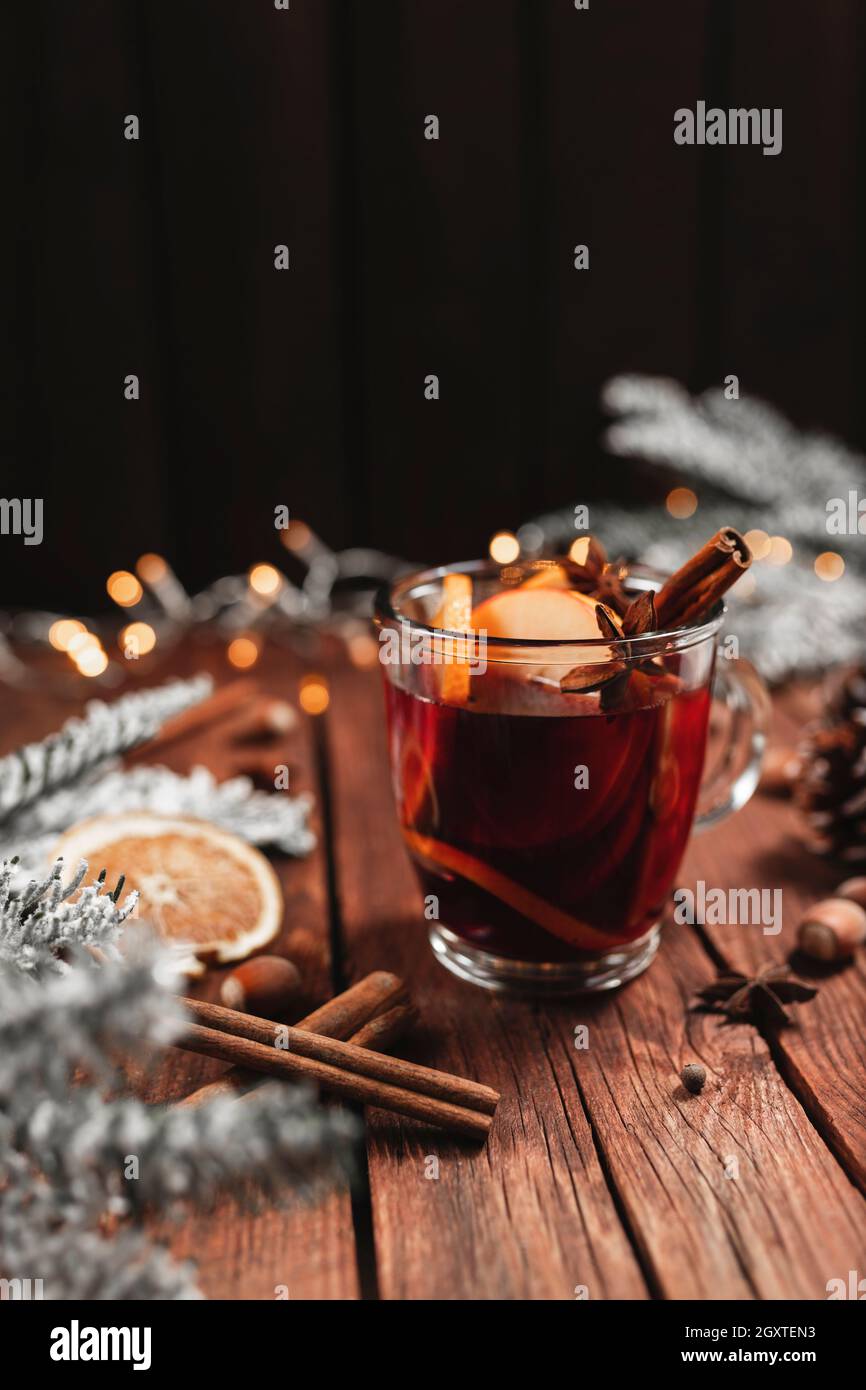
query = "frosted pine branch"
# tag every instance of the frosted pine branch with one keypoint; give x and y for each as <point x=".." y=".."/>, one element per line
<point x="104" y="732"/>
<point x="271" y="819"/>
<point x="751" y="468"/>
<point x="68" y="1157"/>
<point x="40" y="924"/>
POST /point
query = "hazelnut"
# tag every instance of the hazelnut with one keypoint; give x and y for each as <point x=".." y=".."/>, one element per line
<point x="832" y="929"/>
<point x="854" y="889"/>
<point x="266" y="985"/>
<point x="693" y="1077"/>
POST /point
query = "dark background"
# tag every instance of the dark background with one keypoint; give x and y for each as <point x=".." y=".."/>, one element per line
<point x="408" y="257"/>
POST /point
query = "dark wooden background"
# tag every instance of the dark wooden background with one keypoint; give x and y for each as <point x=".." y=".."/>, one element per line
<point x="408" y="257"/>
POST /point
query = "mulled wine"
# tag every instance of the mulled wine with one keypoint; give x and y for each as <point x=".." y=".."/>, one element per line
<point x="547" y="727"/>
<point x="546" y="835"/>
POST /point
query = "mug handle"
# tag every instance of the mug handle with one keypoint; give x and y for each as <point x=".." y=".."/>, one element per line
<point x="741" y="692"/>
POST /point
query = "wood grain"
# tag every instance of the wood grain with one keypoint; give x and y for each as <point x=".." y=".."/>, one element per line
<point x="310" y="1251"/>
<point x="531" y="1216"/>
<point x="823" y="1056"/>
<point x="248" y="1252"/>
<point x="732" y="1195"/>
<point x="602" y="1177"/>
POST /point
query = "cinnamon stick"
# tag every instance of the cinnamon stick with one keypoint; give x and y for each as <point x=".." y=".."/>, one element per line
<point x="378" y="1034"/>
<point x="698" y="585"/>
<point x="365" y="1089"/>
<point x="344" y="1016"/>
<point x="385" y="1029"/>
<point x="303" y="1046"/>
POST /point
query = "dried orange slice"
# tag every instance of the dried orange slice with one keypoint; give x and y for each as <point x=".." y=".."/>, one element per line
<point x="201" y="887"/>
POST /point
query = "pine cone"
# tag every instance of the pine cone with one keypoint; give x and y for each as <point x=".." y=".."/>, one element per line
<point x="831" y="787"/>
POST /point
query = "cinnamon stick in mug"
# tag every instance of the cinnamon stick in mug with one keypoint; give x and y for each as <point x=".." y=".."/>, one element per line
<point x="697" y="586"/>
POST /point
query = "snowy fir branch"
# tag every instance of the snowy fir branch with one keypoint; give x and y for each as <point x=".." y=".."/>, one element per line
<point x="69" y="1158"/>
<point x="750" y="468"/>
<point x="105" y="731"/>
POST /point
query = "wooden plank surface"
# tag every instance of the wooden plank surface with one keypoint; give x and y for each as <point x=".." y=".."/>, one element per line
<point x="310" y="1251"/>
<point x="734" y="1195"/>
<point x="602" y="1175"/>
<point x="824" y="1059"/>
<point x="530" y="1214"/>
<point x="244" y="1252"/>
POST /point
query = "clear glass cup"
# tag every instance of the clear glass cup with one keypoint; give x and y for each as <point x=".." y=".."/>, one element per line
<point x="547" y="826"/>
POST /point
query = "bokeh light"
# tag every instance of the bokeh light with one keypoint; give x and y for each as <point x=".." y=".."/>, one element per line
<point x="363" y="650"/>
<point x="124" y="588"/>
<point x="296" y="536"/>
<point x="151" y="568"/>
<point x="243" y="652"/>
<point x="829" y="566"/>
<point x="780" y="552"/>
<point x="759" y="544"/>
<point x="265" y="580"/>
<point x="504" y="547"/>
<point x="81" y="642"/>
<point x="313" y="694"/>
<point x="92" y="661"/>
<point x="61" y="633"/>
<point x="681" y="502"/>
<point x="137" y="639"/>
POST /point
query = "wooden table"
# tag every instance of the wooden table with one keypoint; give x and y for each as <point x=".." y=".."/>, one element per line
<point x="602" y="1177"/>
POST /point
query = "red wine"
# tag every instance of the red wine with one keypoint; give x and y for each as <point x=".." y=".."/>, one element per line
<point x="524" y="862"/>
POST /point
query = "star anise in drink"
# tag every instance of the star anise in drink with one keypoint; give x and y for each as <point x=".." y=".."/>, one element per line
<point x="759" y="998"/>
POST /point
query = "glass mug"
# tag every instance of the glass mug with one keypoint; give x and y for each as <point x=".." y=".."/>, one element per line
<point x="547" y="828"/>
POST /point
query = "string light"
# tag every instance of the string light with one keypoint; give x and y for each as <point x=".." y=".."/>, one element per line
<point x="265" y="580"/>
<point x="759" y="544"/>
<point x="780" y="551"/>
<point x="243" y="652"/>
<point x="681" y="502"/>
<point x="151" y="568"/>
<point x="296" y="536"/>
<point x="82" y="642"/>
<point x="313" y="694"/>
<point x="91" y="662"/>
<point x="61" y="633"/>
<point x="124" y="588"/>
<point x="137" y="639"/>
<point x="363" y="650"/>
<point x="829" y="566"/>
<point x="504" y="547"/>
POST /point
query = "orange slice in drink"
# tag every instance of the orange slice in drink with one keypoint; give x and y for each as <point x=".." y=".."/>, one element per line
<point x="201" y="887"/>
<point x="523" y="900"/>
<point x="455" y="615"/>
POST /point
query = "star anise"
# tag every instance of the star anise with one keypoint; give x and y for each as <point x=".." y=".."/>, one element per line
<point x="610" y="588"/>
<point x="759" y="998"/>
